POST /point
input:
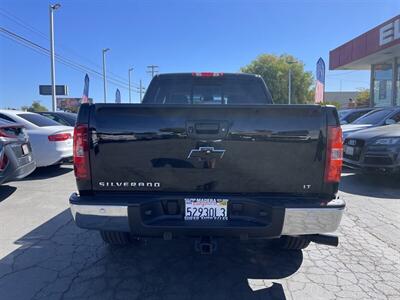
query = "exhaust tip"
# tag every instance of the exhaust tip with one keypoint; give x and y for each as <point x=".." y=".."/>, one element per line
<point x="324" y="239"/>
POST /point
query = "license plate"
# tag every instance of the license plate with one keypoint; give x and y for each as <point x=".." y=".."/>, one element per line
<point x="206" y="209"/>
<point x="349" y="150"/>
<point x="25" y="149"/>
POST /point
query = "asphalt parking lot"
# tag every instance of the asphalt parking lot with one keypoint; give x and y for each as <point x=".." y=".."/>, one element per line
<point x="43" y="255"/>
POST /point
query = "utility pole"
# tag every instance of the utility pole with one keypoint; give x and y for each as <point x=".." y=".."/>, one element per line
<point x="140" y="90"/>
<point x="129" y="79"/>
<point x="104" y="74"/>
<point x="52" y="8"/>
<point x="290" y="85"/>
<point x="152" y="69"/>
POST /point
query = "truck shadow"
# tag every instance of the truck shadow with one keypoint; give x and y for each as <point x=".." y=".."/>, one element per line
<point x="49" y="172"/>
<point x="6" y="191"/>
<point x="58" y="260"/>
<point x="370" y="185"/>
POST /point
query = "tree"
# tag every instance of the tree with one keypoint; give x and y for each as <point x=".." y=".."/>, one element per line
<point x="275" y="72"/>
<point x="35" y="107"/>
<point x="363" y="98"/>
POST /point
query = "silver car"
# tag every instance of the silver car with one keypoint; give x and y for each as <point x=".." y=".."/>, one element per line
<point x="16" y="159"/>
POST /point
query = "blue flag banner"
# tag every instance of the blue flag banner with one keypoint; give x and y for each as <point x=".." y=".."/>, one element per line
<point x="117" y="96"/>
<point x="85" y="96"/>
<point x="320" y="85"/>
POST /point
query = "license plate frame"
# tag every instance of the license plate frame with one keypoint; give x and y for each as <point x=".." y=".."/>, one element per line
<point x="349" y="150"/>
<point x="206" y="209"/>
<point x="25" y="149"/>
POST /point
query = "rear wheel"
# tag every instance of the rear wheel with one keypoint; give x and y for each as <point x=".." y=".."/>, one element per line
<point x="116" y="238"/>
<point x="293" y="243"/>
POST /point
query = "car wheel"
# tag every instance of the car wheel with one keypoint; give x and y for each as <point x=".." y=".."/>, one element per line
<point x="293" y="243"/>
<point x="116" y="238"/>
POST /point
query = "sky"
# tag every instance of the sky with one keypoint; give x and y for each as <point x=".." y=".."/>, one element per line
<point x="176" y="35"/>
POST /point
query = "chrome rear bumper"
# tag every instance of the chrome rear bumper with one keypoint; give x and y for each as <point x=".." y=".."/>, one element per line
<point x="101" y="217"/>
<point x="297" y="221"/>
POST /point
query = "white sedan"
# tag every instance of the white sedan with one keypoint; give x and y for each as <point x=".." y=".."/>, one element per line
<point x="51" y="142"/>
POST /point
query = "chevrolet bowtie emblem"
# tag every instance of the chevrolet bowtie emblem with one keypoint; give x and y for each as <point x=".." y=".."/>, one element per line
<point x="206" y="153"/>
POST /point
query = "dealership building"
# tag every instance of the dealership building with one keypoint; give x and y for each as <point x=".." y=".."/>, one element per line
<point x="377" y="50"/>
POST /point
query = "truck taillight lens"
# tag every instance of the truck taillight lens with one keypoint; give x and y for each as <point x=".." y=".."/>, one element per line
<point x="81" y="152"/>
<point x="59" y="137"/>
<point x="334" y="155"/>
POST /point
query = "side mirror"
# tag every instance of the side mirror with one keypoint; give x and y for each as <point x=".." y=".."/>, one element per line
<point x="390" y="121"/>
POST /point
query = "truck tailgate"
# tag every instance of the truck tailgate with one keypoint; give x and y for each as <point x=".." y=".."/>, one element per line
<point x="205" y="148"/>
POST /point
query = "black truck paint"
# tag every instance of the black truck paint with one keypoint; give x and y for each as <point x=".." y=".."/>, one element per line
<point x="149" y="157"/>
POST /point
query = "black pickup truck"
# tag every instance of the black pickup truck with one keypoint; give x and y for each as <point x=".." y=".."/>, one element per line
<point x="208" y="155"/>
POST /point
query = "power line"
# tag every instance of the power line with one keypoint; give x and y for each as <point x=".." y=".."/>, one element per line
<point x="60" y="45"/>
<point x="66" y="61"/>
<point x="22" y="23"/>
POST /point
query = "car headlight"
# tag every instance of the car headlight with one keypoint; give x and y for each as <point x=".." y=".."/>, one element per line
<point x="387" y="141"/>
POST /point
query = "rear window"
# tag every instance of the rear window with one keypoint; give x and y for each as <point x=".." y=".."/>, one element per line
<point x="207" y="90"/>
<point x="70" y="118"/>
<point x="62" y="118"/>
<point x="4" y="117"/>
<point x="5" y="123"/>
<point x="38" y="120"/>
<point x="355" y="115"/>
<point x="373" y="118"/>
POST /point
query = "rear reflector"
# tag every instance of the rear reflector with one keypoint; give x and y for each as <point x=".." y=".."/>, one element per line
<point x="3" y="161"/>
<point x="59" y="137"/>
<point x="81" y="152"/>
<point x="334" y="155"/>
<point x="207" y="74"/>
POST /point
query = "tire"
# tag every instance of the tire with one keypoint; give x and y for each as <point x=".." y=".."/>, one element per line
<point x="116" y="238"/>
<point x="293" y="243"/>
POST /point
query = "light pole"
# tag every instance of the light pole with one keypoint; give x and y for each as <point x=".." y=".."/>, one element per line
<point x="290" y="85"/>
<point x="104" y="74"/>
<point x="140" y="90"/>
<point x="52" y="8"/>
<point x="290" y="81"/>
<point x="129" y="79"/>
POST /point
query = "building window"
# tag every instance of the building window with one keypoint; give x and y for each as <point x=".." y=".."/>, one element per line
<point x="383" y="89"/>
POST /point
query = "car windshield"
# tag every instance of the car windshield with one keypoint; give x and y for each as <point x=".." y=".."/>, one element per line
<point x="38" y="120"/>
<point x="373" y="118"/>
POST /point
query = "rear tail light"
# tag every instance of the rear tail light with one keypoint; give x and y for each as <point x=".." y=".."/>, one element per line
<point x="207" y="74"/>
<point x="4" y="133"/>
<point x="81" y="152"/>
<point x="10" y="132"/>
<point x="3" y="161"/>
<point x="59" y="137"/>
<point x="334" y="155"/>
